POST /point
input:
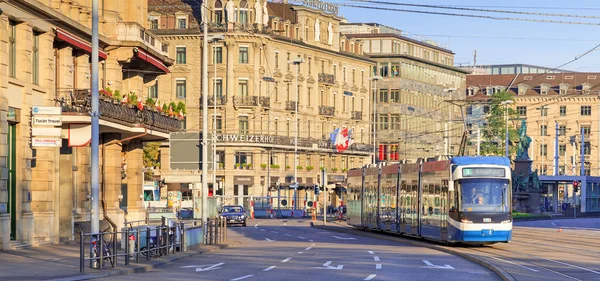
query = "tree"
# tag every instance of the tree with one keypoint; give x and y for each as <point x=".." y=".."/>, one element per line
<point x="494" y="131"/>
<point x="151" y="157"/>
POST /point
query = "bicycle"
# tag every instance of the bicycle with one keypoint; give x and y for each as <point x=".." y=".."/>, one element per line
<point x="153" y="249"/>
<point x="106" y="253"/>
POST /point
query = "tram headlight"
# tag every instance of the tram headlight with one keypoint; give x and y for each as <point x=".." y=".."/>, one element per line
<point x="466" y="221"/>
<point x="506" y="221"/>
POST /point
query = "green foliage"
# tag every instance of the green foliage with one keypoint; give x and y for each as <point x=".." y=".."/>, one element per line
<point x="275" y="166"/>
<point x="117" y="95"/>
<point x="151" y="154"/>
<point x="309" y="168"/>
<point x="173" y="105"/>
<point x="299" y="167"/>
<point x="133" y="98"/>
<point x="264" y="166"/>
<point x="180" y="106"/>
<point x="334" y="169"/>
<point x="149" y="102"/>
<point x="493" y="135"/>
<point x="165" y="107"/>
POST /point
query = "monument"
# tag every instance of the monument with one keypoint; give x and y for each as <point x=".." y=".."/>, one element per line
<point x="525" y="182"/>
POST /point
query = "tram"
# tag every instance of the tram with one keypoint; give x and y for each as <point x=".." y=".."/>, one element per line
<point x="465" y="199"/>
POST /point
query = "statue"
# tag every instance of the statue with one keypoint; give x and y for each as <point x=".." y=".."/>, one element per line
<point x="265" y="16"/>
<point x="524" y="142"/>
<point x="230" y="11"/>
<point x="330" y="33"/>
<point x="535" y="181"/>
<point x="317" y="31"/>
<point x="258" y="13"/>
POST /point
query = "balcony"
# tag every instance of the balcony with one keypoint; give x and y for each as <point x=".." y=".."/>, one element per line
<point x="132" y="31"/>
<point x="356" y="115"/>
<point x="326" y="110"/>
<point x="325" y="78"/>
<point x="291" y="105"/>
<point x="222" y="100"/>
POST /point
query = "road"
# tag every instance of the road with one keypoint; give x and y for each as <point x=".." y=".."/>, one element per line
<point x="292" y="250"/>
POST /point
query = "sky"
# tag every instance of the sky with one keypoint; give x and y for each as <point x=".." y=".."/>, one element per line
<point x="497" y="41"/>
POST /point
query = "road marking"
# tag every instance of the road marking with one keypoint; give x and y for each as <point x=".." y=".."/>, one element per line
<point x="313" y="244"/>
<point x="300" y="252"/>
<point x="307" y="248"/>
<point x="301" y="237"/>
<point x="564" y="263"/>
<point x="431" y="265"/>
<point x="243" y="277"/>
<point x="370" y="277"/>
<point x="344" y="238"/>
<point x="534" y="270"/>
<point x="262" y="229"/>
<point x="286" y="260"/>
<point x="212" y="267"/>
<point x="269" y="240"/>
<point x="328" y="266"/>
<point x="287" y="234"/>
<point x="256" y="225"/>
<point x="311" y="241"/>
<point x="285" y="223"/>
<point x="269" y="268"/>
<point x="376" y="258"/>
<point x="274" y="231"/>
<point x="371" y="252"/>
<point x="378" y="266"/>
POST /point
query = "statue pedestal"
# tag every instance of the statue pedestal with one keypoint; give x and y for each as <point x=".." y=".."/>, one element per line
<point x="522" y="166"/>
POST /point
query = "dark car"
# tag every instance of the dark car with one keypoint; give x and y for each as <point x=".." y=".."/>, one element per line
<point x="234" y="214"/>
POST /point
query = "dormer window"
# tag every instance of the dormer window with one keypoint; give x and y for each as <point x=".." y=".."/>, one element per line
<point x="470" y="92"/>
<point x="544" y="88"/>
<point x="153" y="22"/>
<point x="586" y="88"/>
<point x="523" y="89"/>
<point x="488" y="91"/>
<point x="563" y="88"/>
<point x="181" y="22"/>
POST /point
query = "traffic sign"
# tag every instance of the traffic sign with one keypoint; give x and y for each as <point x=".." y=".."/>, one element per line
<point x="185" y="151"/>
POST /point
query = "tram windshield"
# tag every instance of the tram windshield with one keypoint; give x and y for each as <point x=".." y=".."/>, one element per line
<point x="484" y="195"/>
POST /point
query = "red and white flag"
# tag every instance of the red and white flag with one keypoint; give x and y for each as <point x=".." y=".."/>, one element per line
<point x="181" y="114"/>
<point x="140" y="105"/>
<point x="170" y="111"/>
<point x="125" y="99"/>
<point x="341" y="141"/>
<point x="157" y="105"/>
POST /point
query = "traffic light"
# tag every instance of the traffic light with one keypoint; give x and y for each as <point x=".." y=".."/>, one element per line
<point x="317" y="190"/>
<point x="576" y="185"/>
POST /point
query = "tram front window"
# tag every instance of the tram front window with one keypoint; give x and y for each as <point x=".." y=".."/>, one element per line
<point x="484" y="195"/>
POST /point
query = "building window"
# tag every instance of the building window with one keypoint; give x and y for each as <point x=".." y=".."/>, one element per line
<point x="354" y="76"/>
<point x="344" y="74"/>
<point x="587" y="149"/>
<point x="289" y="56"/>
<point x="276" y="60"/>
<point x="243" y="20"/>
<point x="12" y="49"/>
<point x="218" y="12"/>
<point x="218" y="55"/>
<point x="395" y="96"/>
<point x="562" y="150"/>
<point x="153" y="91"/>
<point x="308" y="96"/>
<point x="395" y="121"/>
<point x="243" y="54"/>
<point x="243" y="88"/>
<point x="544" y="130"/>
<point x="276" y="91"/>
<point x="522" y="110"/>
<point x="309" y="66"/>
<point x="153" y="23"/>
<point x="383" y="71"/>
<point x="470" y="110"/>
<point x="184" y="123"/>
<point x="543" y="150"/>
<point x="383" y="122"/>
<point x="563" y="110"/>
<point x="383" y="96"/>
<point x="218" y="90"/>
<point x="587" y="130"/>
<point x="586" y="110"/>
<point x="243" y="123"/>
<point x="334" y="72"/>
<point x="181" y="55"/>
<point x="35" y="59"/>
<point x="562" y="130"/>
<point x="219" y="127"/>
<point x="242" y="158"/>
<point x="543" y="111"/>
<point x="181" y="23"/>
<point x="180" y="89"/>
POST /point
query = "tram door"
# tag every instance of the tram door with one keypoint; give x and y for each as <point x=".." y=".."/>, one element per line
<point x="444" y="211"/>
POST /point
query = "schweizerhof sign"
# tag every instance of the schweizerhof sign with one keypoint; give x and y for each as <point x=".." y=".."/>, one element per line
<point x="328" y="7"/>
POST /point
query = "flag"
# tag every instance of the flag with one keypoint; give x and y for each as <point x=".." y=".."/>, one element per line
<point x="140" y="104"/>
<point x="333" y="135"/>
<point x="181" y="114"/>
<point x="124" y="100"/>
<point x="350" y="137"/>
<point x="341" y="141"/>
<point x="157" y="105"/>
<point x="170" y="111"/>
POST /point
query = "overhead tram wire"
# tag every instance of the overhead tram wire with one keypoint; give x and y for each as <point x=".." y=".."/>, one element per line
<point x="468" y="15"/>
<point x="476" y="10"/>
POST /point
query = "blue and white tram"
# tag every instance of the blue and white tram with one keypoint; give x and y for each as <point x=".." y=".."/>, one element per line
<point x="461" y="200"/>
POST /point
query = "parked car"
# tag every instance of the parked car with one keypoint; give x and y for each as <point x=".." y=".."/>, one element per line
<point x="234" y="214"/>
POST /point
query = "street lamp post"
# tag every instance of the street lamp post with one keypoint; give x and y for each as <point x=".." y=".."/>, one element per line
<point x="506" y="103"/>
<point x="375" y="79"/>
<point x="296" y="62"/>
<point x="269" y="79"/>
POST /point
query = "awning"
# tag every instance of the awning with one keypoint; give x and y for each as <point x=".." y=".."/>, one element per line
<point x="76" y="42"/>
<point x="151" y="59"/>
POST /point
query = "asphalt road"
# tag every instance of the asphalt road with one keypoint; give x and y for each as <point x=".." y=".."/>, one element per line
<point x="292" y="250"/>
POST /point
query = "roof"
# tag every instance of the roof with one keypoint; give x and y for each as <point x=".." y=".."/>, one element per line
<point x="379" y="35"/>
<point x="474" y="160"/>
<point x="510" y="82"/>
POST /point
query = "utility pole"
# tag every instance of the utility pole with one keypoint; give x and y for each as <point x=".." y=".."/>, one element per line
<point x="375" y="92"/>
<point x="582" y="148"/>
<point x="95" y="161"/>
<point x="556" y="151"/>
<point x="543" y="109"/>
<point x="205" y="115"/>
<point x="478" y="141"/>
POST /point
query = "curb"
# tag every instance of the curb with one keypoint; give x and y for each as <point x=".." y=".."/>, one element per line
<point x="157" y="263"/>
<point x="498" y="270"/>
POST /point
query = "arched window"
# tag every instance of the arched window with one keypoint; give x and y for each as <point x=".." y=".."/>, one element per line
<point x="218" y="19"/>
<point x="306" y="30"/>
<point x="243" y="15"/>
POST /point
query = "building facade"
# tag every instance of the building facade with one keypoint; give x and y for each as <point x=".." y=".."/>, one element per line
<point x="259" y="101"/>
<point x="45" y="81"/>
<point x="564" y="101"/>
<point x="415" y="116"/>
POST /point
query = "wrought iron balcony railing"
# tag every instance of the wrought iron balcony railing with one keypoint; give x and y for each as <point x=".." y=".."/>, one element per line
<point x="245" y="101"/>
<point x="326" y="78"/>
<point x="222" y="100"/>
<point x="291" y="105"/>
<point x="356" y="115"/>
<point x="326" y="110"/>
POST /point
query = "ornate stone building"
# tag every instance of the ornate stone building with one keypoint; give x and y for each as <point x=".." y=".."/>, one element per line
<point x="45" y="78"/>
<point x="414" y="115"/>
<point x="256" y="91"/>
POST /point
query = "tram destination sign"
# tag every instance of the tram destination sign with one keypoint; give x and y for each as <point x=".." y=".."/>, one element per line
<point x="483" y="172"/>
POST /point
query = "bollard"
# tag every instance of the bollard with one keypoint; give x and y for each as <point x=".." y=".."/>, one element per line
<point x="114" y="253"/>
<point x="183" y="248"/>
<point x="100" y="248"/>
<point x="158" y="241"/>
<point x="130" y="243"/>
<point x="127" y="247"/>
<point x="137" y="247"/>
<point x="147" y="243"/>
<point x="81" y="253"/>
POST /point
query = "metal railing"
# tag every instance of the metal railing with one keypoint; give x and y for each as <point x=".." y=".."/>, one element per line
<point x="215" y="231"/>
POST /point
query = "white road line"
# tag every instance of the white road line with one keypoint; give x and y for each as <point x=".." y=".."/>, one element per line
<point x="301" y="237"/>
<point x="285" y="223"/>
<point x="300" y="252"/>
<point x="274" y="231"/>
<point x="287" y="234"/>
<point x="564" y="263"/>
<point x="370" y="277"/>
<point x="307" y="248"/>
<point x="376" y="258"/>
<point x="286" y="260"/>
<point x="243" y="277"/>
<point x="378" y="266"/>
<point x="371" y="252"/>
<point x="269" y="268"/>
<point x="311" y="241"/>
<point x="262" y="229"/>
<point x="534" y="270"/>
<point x="256" y="225"/>
<point x="313" y="244"/>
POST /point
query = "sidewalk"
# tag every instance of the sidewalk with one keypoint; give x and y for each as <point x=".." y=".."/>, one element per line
<point x="61" y="262"/>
